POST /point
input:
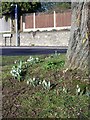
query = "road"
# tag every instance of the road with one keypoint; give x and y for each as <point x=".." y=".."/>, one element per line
<point x="15" y="51"/>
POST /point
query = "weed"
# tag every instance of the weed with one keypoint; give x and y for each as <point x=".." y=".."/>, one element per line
<point x="54" y="65"/>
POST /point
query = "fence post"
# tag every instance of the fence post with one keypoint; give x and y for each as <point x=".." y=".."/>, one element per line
<point x="34" y="20"/>
<point x="21" y="23"/>
<point x="23" y="26"/>
<point x="54" y="19"/>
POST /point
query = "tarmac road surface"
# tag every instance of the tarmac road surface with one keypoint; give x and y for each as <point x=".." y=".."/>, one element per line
<point x="16" y="51"/>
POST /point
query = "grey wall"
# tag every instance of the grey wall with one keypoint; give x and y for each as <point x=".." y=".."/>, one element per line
<point x="5" y="24"/>
<point x="46" y="38"/>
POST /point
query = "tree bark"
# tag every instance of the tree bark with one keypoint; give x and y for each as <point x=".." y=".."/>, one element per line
<point x="78" y="53"/>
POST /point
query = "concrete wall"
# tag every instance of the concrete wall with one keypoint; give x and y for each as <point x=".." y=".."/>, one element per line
<point x="45" y="38"/>
<point x="5" y="24"/>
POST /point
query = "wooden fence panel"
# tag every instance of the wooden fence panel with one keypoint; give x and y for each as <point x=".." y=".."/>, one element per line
<point x="63" y="19"/>
<point x="47" y="20"/>
<point x="44" y="21"/>
<point x="28" y="21"/>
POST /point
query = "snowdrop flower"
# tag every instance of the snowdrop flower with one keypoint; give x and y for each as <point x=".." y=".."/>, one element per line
<point x="64" y="90"/>
<point x="15" y="61"/>
<point x="25" y="62"/>
<point x="28" y="60"/>
<point x="27" y="82"/>
<point x="44" y="83"/>
<point x="64" y="71"/>
<point x="13" y="71"/>
<point x="17" y="73"/>
<point x="37" y="59"/>
<point x="78" y="88"/>
<point x="33" y="79"/>
<point x="40" y="82"/>
<point x="49" y="84"/>
<point x="30" y="57"/>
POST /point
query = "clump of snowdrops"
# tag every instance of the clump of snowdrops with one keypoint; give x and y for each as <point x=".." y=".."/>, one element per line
<point x="35" y="82"/>
<point x="20" y="67"/>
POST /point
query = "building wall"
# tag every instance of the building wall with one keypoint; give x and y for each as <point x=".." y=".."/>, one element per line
<point x="5" y="24"/>
<point x="45" y="38"/>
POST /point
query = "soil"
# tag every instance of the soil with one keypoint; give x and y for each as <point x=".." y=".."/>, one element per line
<point x="13" y="90"/>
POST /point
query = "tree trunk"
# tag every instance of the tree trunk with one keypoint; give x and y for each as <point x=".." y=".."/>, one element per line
<point x="78" y="53"/>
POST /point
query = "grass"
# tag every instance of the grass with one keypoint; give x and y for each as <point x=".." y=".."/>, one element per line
<point x="60" y="101"/>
